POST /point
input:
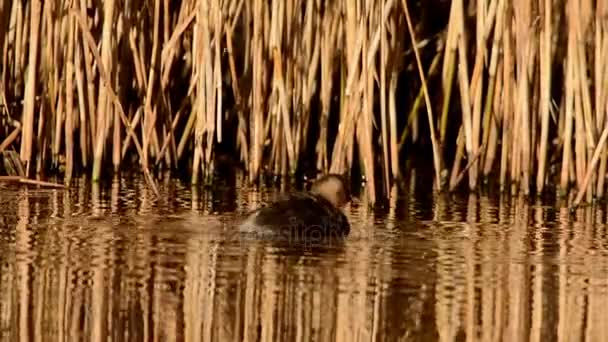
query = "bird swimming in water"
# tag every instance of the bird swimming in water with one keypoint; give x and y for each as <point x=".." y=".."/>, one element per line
<point x="316" y="213"/>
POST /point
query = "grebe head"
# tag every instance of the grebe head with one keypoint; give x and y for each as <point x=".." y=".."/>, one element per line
<point x="332" y="187"/>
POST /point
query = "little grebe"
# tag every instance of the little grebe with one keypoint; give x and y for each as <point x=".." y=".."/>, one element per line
<point x="315" y="213"/>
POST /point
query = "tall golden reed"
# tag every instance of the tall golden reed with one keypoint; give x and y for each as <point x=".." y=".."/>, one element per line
<point x="92" y="84"/>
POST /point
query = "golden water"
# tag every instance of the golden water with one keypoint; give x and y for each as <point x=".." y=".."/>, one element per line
<point x="113" y="263"/>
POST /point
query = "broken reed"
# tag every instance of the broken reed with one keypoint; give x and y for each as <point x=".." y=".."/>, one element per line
<point x="82" y="80"/>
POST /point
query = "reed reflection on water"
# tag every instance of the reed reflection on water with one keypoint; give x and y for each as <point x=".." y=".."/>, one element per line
<point x="114" y="263"/>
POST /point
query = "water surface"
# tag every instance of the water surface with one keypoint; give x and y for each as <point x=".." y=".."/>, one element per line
<point x="114" y="263"/>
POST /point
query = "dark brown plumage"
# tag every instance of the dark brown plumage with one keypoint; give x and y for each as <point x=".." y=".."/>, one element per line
<point x="304" y="214"/>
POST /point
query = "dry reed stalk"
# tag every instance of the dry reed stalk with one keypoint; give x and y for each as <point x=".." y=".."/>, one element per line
<point x="524" y="59"/>
<point x="584" y="136"/>
<point x="52" y="57"/>
<point x="493" y="120"/>
<point x="392" y="90"/>
<point x="6" y="39"/>
<point x="275" y="129"/>
<point x="328" y="37"/>
<point x="167" y="133"/>
<point x="418" y="102"/>
<point x="217" y="76"/>
<point x="104" y="109"/>
<point x="169" y="136"/>
<point x="546" y="59"/>
<point x="69" y="113"/>
<point x="138" y="66"/>
<point x="490" y="129"/>
<point x="10" y="138"/>
<point x="515" y="158"/>
<point x="506" y="107"/>
<point x="338" y="151"/>
<point x="241" y="134"/>
<point x="495" y="17"/>
<point x="601" y="84"/>
<point x="580" y="149"/>
<point x="41" y="138"/>
<point x="458" y="178"/>
<point x="24" y="180"/>
<point x="476" y="93"/>
<point x="58" y="114"/>
<point x="519" y="99"/>
<point x="436" y="149"/>
<point x="91" y="87"/>
<point x="364" y="126"/>
<point x="534" y="91"/>
<point x="449" y="63"/>
<point x="169" y="50"/>
<point x="115" y="118"/>
<point x="13" y="37"/>
<point x="256" y="119"/>
<point x="454" y="174"/>
<point x="569" y="95"/>
<point x="142" y="85"/>
<point x="600" y="50"/>
<point x="16" y="21"/>
<point x="186" y="134"/>
<point x="25" y="24"/>
<point x="212" y="71"/>
<point x="281" y="95"/>
<point x="111" y="94"/>
<point x="351" y="91"/>
<point x="309" y="60"/>
<point x="465" y="91"/>
<point x="600" y="188"/>
<point x="395" y="66"/>
<point x="201" y="62"/>
<point x="496" y="10"/>
<point x="596" y="156"/>
<point x="383" y="115"/>
<point x="583" y="25"/>
<point x="30" y="86"/>
<point x="483" y="25"/>
<point x="587" y="123"/>
<point x="134" y="122"/>
<point x="82" y="108"/>
<point x="579" y="140"/>
<point x="150" y="114"/>
<point x="277" y="155"/>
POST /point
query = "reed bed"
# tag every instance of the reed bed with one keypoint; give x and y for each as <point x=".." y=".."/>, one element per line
<point x="515" y="92"/>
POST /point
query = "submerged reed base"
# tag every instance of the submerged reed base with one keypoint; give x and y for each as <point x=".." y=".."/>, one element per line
<point x="514" y="91"/>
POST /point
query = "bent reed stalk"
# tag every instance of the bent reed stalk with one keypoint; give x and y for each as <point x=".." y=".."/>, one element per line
<point x="522" y="94"/>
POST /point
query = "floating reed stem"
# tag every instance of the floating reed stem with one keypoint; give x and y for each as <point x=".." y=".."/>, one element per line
<point x="23" y="180"/>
